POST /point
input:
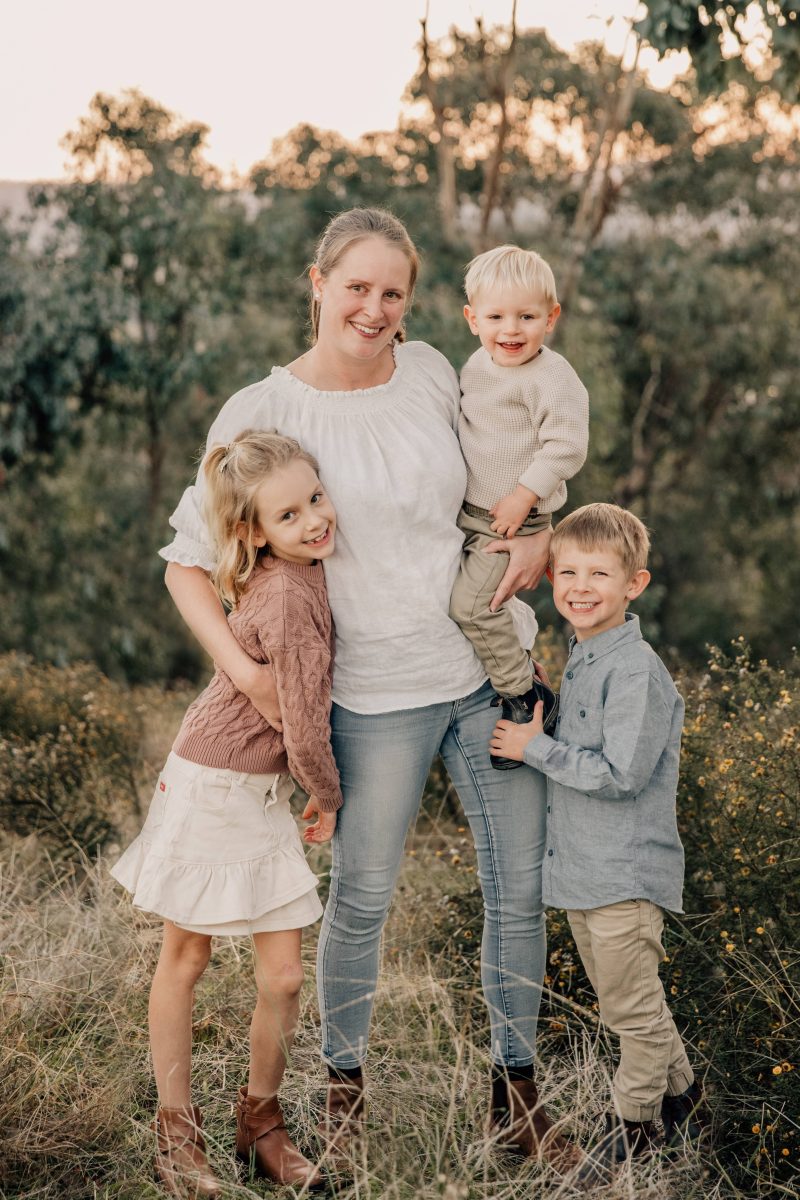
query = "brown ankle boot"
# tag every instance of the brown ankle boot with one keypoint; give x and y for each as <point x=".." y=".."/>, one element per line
<point x="519" y="1121"/>
<point x="181" y="1163"/>
<point x="342" y="1123"/>
<point x="262" y="1141"/>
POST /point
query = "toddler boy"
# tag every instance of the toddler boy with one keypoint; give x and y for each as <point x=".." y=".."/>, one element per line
<point x="613" y="856"/>
<point x="523" y="430"/>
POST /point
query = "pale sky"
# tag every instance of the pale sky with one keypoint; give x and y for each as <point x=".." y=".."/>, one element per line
<point x="249" y="69"/>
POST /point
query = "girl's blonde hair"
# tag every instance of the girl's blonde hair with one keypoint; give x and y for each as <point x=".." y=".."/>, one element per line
<point x="233" y="475"/>
<point x="352" y="226"/>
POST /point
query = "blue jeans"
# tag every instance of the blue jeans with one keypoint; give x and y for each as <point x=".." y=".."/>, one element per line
<point x="383" y="762"/>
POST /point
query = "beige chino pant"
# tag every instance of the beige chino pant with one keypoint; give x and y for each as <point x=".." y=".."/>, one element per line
<point x="492" y="633"/>
<point x="620" y="947"/>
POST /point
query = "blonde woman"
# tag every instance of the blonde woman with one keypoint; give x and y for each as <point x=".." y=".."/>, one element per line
<point x="381" y="415"/>
<point x="219" y="853"/>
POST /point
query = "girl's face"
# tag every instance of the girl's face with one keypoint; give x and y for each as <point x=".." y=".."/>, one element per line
<point x="295" y="517"/>
<point x="363" y="299"/>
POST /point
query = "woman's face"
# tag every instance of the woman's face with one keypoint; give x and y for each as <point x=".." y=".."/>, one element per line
<point x="363" y="298"/>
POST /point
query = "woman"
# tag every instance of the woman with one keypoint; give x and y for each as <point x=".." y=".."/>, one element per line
<point x="380" y="415"/>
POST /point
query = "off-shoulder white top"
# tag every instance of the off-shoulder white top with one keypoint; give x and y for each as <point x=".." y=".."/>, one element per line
<point x="391" y="464"/>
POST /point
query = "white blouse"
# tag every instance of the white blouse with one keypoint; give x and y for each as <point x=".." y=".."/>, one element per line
<point x="391" y="464"/>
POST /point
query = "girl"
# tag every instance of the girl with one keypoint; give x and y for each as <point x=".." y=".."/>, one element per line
<point x="219" y="852"/>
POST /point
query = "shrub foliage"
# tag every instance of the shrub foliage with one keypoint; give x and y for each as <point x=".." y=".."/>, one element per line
<point x="70" y="745"/>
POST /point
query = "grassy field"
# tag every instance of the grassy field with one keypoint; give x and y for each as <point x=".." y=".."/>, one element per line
<point x="77" y="1094"/>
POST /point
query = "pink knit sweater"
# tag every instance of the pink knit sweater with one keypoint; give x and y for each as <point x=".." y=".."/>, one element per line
<point x="283" y="618"/>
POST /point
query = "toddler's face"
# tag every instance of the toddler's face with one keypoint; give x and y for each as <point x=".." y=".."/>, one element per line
<point x="512" y="324"/>
<point x="295" y="517"/>
<point x="592" y="588"/>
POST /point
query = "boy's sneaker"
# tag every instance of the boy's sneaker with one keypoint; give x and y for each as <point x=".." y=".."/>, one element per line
<point x="683" y="1118"/>
<point x="519" y="709"/>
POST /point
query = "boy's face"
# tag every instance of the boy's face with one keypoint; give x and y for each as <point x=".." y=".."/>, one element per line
<point x="511" y="323"/>
<point x="591" y="588"/>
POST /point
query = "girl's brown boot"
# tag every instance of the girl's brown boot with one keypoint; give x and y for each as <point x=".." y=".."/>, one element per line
<point x="181" y="1163"/>
<point x="263" y="1143"/>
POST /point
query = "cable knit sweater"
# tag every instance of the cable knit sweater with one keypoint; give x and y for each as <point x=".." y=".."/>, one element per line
<point x="282" y="618"/>
<point x="527" y="424"/>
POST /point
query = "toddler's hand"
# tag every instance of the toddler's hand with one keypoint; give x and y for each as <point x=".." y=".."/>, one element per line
<point x="511" y="511"/>
<point x="323" y="827"/>
<point x="509" y="739"/>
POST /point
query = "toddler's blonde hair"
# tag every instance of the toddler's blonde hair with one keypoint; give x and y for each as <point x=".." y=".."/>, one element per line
<point x="605" y="525"/>
<point x="233" y="475"/>
<point x="510" y="266"/>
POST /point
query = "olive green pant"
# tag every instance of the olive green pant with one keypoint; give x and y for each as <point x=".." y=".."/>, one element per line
<point x="620" y="947"/>
<point x="491" y="633"/>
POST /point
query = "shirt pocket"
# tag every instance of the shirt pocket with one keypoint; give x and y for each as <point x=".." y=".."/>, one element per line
<point x="582" y="724"/>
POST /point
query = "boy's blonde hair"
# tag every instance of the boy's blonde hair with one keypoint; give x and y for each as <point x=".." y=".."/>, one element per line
<point x="605" y="525"/>
<point x="510" y="266"/>
<point x="233" y="475"/>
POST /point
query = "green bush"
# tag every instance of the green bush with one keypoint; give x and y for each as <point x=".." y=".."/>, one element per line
<point x="70" y="746"/>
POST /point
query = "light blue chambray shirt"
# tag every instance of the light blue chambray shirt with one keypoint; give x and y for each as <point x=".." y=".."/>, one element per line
<point x="612" y="775"/>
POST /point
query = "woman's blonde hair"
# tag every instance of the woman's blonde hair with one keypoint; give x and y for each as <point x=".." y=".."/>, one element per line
<point x="233" y="475"/>
<point x="350" y="227"/>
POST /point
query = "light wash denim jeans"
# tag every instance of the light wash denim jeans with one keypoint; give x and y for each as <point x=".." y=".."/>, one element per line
<point x="383" y="762"/>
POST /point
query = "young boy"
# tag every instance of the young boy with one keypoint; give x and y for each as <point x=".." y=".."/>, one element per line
<point x="613" y="857"/>
<point x="524" y="429"/>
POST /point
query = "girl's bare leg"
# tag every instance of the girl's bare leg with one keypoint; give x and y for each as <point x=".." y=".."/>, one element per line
<point x="279" y="978"/>
<point x="184" y="956"/>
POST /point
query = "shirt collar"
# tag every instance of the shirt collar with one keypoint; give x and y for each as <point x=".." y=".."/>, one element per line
<point x="604" y="643"/>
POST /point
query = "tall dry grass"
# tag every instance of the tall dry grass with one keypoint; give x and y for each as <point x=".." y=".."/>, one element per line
<point x="77" y="1096"/>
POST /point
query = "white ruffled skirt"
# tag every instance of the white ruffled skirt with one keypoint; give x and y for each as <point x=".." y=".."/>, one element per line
<point x="220" y="853"/>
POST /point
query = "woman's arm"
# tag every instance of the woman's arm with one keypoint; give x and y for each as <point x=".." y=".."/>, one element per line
<point x="199" y="605"/>
<point x="528" y="559"/>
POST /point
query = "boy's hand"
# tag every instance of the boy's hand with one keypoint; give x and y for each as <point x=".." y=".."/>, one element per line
<point x="323" y="827"/>
<point x="509" y="739"/>
<point x="511" y="511"/>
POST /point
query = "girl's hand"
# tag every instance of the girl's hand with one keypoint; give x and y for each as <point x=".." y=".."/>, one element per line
<point x="323" y="827"/>
<point x="260" y="688"/>
<point x="528" y="559"/>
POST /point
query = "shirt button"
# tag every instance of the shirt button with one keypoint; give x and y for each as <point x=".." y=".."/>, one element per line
<point x="583" y="712"/>
<point x="548" y="808"/>
<point x="549" y="853"/>
<point x="590" y="654"/>
<point x="570" y="674"/>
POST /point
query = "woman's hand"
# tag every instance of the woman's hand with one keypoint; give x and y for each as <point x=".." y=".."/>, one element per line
<point x="528" y="559"/>
<point x="323" y="827"/>
<point x="541" y="673"/>
<point x="258" y="684"/>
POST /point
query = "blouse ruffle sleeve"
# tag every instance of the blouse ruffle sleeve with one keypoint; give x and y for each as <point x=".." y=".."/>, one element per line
<point x="191" y="546"/>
